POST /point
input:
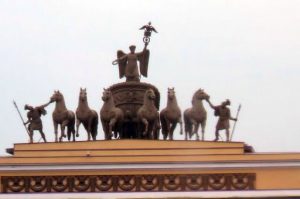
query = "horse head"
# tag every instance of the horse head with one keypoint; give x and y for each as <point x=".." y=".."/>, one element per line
<point x="171" y="93"/>
<point x="150" y="95"/>
<point x="199" y="96"/>
<point x="56" y="97"/>
<point x="82" y="95"/>
<point x="106" y="95"/>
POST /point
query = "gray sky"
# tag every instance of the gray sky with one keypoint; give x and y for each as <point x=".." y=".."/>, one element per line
<point x="247" y="51"/>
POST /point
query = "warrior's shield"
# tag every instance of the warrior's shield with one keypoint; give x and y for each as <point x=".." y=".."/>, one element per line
<point x="144" y="60"/>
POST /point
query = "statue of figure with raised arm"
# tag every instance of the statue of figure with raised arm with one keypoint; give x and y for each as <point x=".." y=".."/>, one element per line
<point x="223" y="112"/>
<point x="128" y="64"/>
<point x="34" y="120"/>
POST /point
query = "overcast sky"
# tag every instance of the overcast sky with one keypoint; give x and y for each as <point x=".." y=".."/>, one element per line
<point x="247" y="51"/>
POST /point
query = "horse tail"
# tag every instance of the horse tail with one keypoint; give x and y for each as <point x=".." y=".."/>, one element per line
<point x="71" y="125"/>
<point x="94" y="127"/>
<point x="187" y="122"/>
<point x="163" y="121"/>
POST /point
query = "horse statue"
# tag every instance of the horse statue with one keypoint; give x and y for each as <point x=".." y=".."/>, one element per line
<point x="111" y="116"/>
<point x="86" y="116"/>
<point x="170" y="116"/>
<point x="148" y="115"/>
<point x="195" y="115"/>
<point x="63" y="117"/>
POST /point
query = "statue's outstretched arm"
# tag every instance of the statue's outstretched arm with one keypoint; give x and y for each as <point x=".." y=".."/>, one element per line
<point x="123" y="57"/>
<point x="116" y="61"/>
<point x="45" y="105"/>
<point x="141" y="53"/>
<point x="210" y="104"/>
<point x="232" y="118"/>
<point x="143" y="27"/>
<point x="28" y="119"/>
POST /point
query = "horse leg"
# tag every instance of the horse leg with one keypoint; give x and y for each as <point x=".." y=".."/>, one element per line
<point x="166" y="134"/>
<point x="145" y="122"/>
<point x="157" y="129"/>
<point x="78" y="122"/>
<point x="104" y="125"/>
<point x="112" y="123"/>
<point x="186" y="132"/>
<point x="196" y="130"/>
<point x="157" y="126"/>
<point x="92" y="132"/>
<point x="152" y="130"/>
<point x="62" y="133"/>
<point x="62" y="129"/>
<point x="89" y="128"/>
<point x="173" y="126"/>
<point x="203" y="124"/>
<point x="55" y="130"/>
<point x="180" y="123"/>
<point x="106" y="131"/>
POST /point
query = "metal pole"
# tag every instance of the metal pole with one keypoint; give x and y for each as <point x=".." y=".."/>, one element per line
<point x="237" y="115"/>
<point x="15" y="104"/>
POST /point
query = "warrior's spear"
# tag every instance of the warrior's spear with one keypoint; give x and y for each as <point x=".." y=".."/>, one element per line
<point x="21" y="117"/>
<point x="237" y="115"/>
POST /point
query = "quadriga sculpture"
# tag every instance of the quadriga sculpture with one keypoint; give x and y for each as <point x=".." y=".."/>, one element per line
<point x="86" y="116"/>
<point x="63" y="117"/>
<point x="148" y="115"/>
<point x="170" y="116"/>
<point x="111" y="116"/>
<point x="196" y="115"/>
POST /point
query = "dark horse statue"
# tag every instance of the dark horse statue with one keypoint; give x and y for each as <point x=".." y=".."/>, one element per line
<point x="148" y="115"/>
<point x="196" y="115"/>
<point x="170" y="116"/>
<point x="111" y="116"/>
<point x="63" y="117"/>
<point x="86" y="116"/>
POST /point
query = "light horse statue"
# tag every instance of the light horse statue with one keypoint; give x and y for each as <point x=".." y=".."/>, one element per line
<point x="111" y="116"/>
<point x="63" y="117"/>
<point x="170" y="116"/>
<point x="86" y="116"/>
<point x="196" y="115"/>
<point x="148" y="115"/>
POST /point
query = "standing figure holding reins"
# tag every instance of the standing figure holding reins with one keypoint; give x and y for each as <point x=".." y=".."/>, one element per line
<point x="223" y="112"/>
<point x="34" y="120"/>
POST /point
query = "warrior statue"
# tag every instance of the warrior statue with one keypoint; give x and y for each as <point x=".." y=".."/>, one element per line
<point x="223" y="112"/>
<point x="128" y="64"/>
<point x="34" y="120"/>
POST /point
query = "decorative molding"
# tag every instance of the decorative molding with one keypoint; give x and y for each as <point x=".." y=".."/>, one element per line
<point x="161" y="166"/>
<point x="129" y="183"/>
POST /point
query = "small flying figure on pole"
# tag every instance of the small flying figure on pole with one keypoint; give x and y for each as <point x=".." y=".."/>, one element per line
<point x="148" y="28"/>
